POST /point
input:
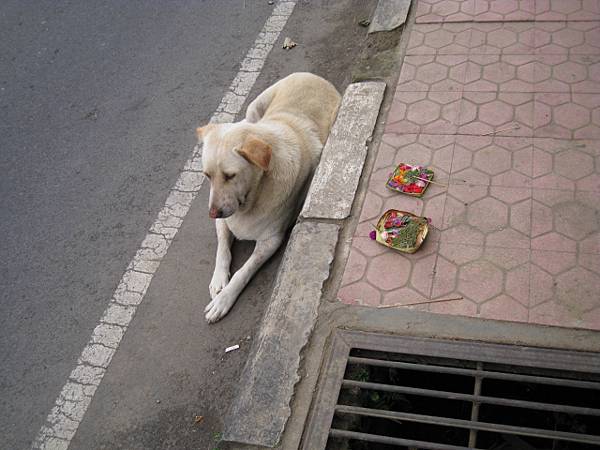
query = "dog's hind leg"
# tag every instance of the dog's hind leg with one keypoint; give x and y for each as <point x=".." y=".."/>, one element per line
<point x="223" y="302"/>
<point x="257" y="108"/>
<point x="220" y="276"/>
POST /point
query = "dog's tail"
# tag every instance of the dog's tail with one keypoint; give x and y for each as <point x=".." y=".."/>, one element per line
<point x="257" y="108"/>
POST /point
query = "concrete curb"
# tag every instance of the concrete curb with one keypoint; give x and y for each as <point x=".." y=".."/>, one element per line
<point x="334" y="185"/>
<point x="262" y="407"/>
<point x="389" y="15"/>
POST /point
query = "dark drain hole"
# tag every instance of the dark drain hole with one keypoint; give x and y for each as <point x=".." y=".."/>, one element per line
<point x="433" y="394"/>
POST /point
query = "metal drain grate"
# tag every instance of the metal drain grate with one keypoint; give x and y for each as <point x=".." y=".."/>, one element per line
<point x="388" y="392"/>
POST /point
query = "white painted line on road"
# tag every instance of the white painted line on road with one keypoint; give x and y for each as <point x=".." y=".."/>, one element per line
<point x="77" y="393"/>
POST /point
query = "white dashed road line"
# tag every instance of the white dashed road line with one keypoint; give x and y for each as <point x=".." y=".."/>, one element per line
<point x="77" y="393"/>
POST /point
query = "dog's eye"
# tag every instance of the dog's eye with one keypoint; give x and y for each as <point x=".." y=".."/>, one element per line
<point x="206" y="175"/>
<point x="229" y="176"/>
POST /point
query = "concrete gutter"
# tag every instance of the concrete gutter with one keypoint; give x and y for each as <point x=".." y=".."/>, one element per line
<point x="262" y="407"/>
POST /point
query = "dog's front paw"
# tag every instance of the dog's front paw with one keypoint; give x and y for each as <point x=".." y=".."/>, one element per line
<point x="219" y="280"/>
<point x="219" y="307"/>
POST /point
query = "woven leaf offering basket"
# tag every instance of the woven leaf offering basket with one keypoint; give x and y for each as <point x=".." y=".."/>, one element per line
<point x="401" y="230"/>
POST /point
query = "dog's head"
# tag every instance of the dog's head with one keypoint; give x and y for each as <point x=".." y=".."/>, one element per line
<point x="234" y="160"/>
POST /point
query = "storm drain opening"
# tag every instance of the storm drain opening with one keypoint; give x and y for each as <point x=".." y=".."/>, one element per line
<point x="388" y="392"/>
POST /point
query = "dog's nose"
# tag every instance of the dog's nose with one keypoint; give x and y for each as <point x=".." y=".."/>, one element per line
<point x="215" y="213"/>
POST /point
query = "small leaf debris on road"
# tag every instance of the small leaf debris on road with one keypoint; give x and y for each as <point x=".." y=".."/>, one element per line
<point x="198" y="419"/>
<point x="288" y="43"/>
<point x="364" y="23"/>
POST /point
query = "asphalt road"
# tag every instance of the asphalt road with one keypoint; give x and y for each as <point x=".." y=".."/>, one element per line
<point x="98" y="103"/>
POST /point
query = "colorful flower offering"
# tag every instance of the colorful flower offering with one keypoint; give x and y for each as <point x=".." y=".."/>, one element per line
<point x="411" y="180"/>
<point x="401" y="230"/>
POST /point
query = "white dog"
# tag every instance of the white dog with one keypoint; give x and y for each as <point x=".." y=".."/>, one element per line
<point x="257" y="169"/>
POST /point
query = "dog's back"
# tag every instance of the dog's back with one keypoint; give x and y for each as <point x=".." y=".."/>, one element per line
<point x="301" y="94"/>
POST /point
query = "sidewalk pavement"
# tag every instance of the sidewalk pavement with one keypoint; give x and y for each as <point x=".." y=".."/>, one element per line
<point x="502" y="100"/>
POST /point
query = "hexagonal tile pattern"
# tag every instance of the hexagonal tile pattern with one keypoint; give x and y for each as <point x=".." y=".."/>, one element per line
<point x="502" y="100"/>
<point x="479" y="38"/>
<point x="425" y="112"/>
<point x="444" y="73"/>
<point x="507" y="38"/>
<point x="433" y="11"/>
<point x="488" y="215"/>
<point x="470" y="277"/>
<point x="429" y="11"/>
<point x="501" y="113"/>
<point x="504" y="307"/>
<point x="567" y="116"/>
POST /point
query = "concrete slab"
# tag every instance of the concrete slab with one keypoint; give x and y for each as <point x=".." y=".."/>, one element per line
<point x="389" y="15"/>
<point x="260" y="412"/>
<point x="333" y="187"/>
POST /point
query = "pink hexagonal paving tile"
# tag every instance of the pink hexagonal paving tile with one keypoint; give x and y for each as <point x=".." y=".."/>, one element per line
<point x="434" y="209"/>
<point x="422" y="275"/>
<point x="371" y="207"/>
<point x="458" y="254"/>
<point x="432" y="11"/>
<point x="404" y="296"/>
<point x="552" y="313"/>
<point x="518" y="282"/>
<point x="509" y="194"/>
<point x="591" y="244"/>
<point x="506" y="258"/>
<point x="554" y="242"/>
<point x="355" y="267"/>
<point x="462" y="234"/>
<point x="492" y="160"/>
<point x="589" y="261"/>
<point x="500" y="72"/>
<point x="589" y="183"/>
<point x="502" y="38"/>
<point x="504" y="307"/>
<point x="541" y="286"/>
<point x="560" y="10"/>
<point x="425" y="112"/>
<point x="469" y="281"/>
<point x="575" y="220"/>
<point x="462" y="307"/>
<point x="446" y="39"/>
<point x="454" y="213"/>
<point x="441" y="11"/>
<point x="542" y="219"/>
<point x="577" y="289"/>
<point x="488" y="215"/>
<point x="553" y="262"/>
<point x="379" y="272"/>
<point x="360" y="293"/>
<point x="591" y="319"/>
<point x="570" y="116"/>
<point x="505" y="114"/>
<point x="577" y="38"/>
<point x="365" y="245"/>
<point x="444" y="281"/>
<point x="508" y="238"/>
<point x="520" y="217"/>
<point x="432" y="73"/>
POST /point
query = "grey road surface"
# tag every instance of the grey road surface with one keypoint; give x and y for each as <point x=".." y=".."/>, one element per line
<point x="98" y="102"/>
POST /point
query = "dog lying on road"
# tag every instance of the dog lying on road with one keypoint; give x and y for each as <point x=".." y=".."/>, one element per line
<point x="257" y="169"/>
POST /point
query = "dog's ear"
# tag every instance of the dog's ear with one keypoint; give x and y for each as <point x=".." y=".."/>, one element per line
<point x="257" y="152"/>
<point x="201" y="132"/>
